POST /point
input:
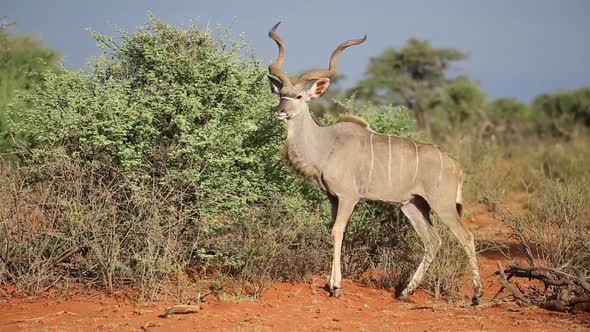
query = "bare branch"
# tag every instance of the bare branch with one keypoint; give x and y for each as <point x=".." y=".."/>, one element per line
<point x="507" y="285"/>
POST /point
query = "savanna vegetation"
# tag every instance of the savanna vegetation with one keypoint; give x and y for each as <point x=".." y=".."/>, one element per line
<point x="159" y="167"/>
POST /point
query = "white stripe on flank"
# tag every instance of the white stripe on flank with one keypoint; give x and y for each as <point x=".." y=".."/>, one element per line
<point x="441" y="166"/>
<point x="372" y="158"/>
<point x="452" y="162"/>
<point x="389" y="160"/>
<point x="459" y="198"/>
<point x="417" y="161"/>
<point x="401" y="159"/>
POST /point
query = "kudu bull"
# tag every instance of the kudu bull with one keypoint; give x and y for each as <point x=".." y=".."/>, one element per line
<point x="350" y="162"/>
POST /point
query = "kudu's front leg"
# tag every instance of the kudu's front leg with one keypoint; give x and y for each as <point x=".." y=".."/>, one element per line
<point x="341" y="211"/>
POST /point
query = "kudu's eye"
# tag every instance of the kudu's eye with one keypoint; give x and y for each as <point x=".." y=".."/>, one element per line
<point x="299" y="97"/>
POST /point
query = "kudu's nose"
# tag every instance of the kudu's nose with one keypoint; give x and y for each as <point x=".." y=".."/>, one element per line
<point x="280" y="113"/>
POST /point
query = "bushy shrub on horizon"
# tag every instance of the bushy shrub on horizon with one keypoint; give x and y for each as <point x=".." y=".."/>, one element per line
<point x="161" y="156"/>
<point x="165" y="103"/>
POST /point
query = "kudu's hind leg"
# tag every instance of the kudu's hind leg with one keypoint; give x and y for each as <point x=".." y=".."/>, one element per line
<point x="450" y="216"/>
<point x="418" y="212"/>
<point x="341" y="212"/>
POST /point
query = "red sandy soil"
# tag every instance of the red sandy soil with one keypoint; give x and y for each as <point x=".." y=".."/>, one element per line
<point x="297" y="306"/>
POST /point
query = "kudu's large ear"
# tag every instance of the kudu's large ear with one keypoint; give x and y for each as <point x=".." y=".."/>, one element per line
<point x="318" y="88"/>
<point x="275" y="84"/>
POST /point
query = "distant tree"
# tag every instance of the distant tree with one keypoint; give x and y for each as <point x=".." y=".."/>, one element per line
<point x="511" y="119"/>
<point x="5" y="23"/>
<point x="460" y="104"/>
<point x="410" y="76"/>
<point x="508" y="109"/>
<point x="22" y="59"/>
<point x="463" y="96"/>
<point x="566" y="110"/>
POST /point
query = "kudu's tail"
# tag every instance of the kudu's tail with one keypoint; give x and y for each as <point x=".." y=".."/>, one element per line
<point x="459" y="199"/>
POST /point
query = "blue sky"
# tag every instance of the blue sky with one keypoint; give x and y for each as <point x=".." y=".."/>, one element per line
<point x="516" y="48"/>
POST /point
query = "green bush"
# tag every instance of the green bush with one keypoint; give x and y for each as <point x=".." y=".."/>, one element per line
<point x="166" y="104"/>
<point x="565" y="112"/>
<point x="154" y="159"/>
<point x="388" y="120"/>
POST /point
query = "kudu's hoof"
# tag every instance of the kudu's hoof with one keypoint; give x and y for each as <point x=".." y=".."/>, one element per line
<point x="477" y="294"/>
<point x="475" y="300"/>
<point x="404" y="295"/>
<point x="336" y="292"/>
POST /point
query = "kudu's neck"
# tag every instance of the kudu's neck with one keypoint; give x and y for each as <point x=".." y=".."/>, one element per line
<point x="307" y="141"/>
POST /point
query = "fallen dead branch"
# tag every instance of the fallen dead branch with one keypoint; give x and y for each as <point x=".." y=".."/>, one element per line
<point x="185" y="308"/>
<point x="36" y="319"/>
<point x="517" y="294"/>
<point x="562" y="292"/>
<point x="181" y="309"/>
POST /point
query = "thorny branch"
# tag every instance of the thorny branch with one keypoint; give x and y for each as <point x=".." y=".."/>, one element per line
<point x="563" y="291"/>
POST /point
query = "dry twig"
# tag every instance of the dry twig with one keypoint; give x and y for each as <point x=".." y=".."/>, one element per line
<point x="181" y="309"/>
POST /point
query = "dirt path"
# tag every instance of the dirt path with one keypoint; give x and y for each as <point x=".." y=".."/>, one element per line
<point x="298" y="306"/>
<point x="286" y="307"/>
